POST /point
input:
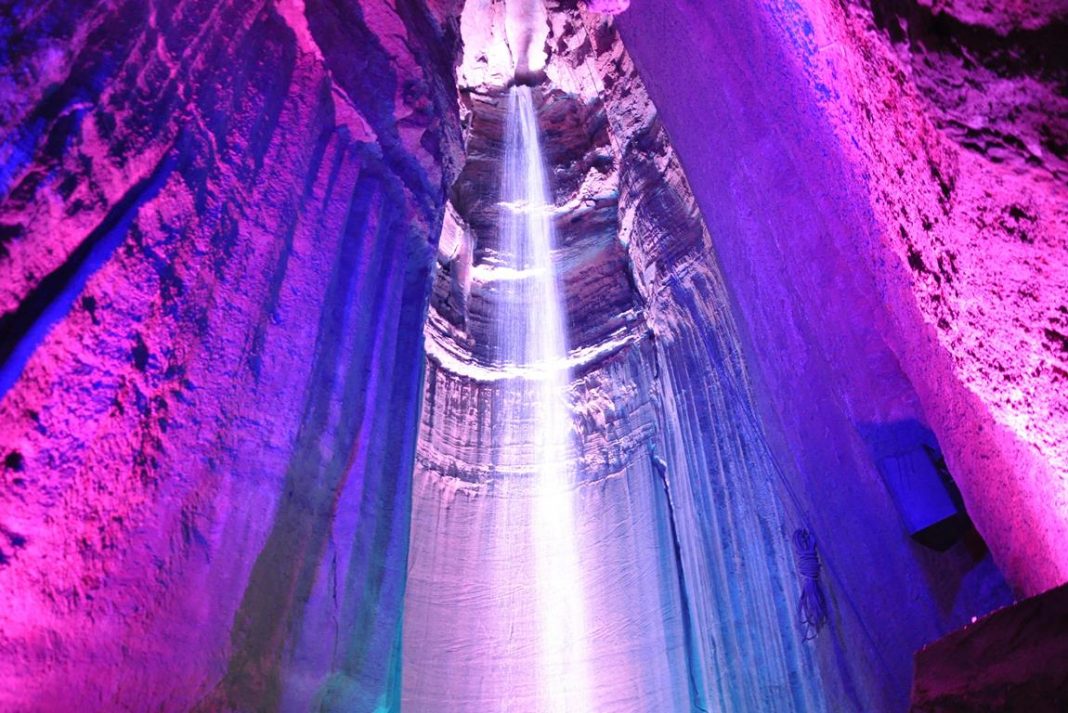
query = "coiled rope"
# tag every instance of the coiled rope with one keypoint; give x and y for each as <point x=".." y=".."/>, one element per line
<point x="812" y="607"/>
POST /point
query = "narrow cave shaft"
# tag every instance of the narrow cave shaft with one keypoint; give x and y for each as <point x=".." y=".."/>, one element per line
<point x="541" y="574"/>
<point x="594" y="524"/>
<point x="533" y="356"/>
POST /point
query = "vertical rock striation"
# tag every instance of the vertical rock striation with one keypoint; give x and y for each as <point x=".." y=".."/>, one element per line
<point x="474" y="630"/>
<point x="892" y="272"/>
<point x="217" y="228"/>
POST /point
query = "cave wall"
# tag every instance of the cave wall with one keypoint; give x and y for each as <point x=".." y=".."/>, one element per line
<point x="664" y="390"/>
<point x="872" y="238"/>
<point x="889" y="216"/>
<point x="217" y="227"/>
<point x="730" y="520"/>
<point x="479" y="586"/>
<point x="217" y="231"/>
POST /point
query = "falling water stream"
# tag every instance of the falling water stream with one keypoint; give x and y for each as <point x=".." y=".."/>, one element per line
<point x="532" y="337"/>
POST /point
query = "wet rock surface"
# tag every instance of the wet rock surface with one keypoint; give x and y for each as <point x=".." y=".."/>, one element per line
<point x="667" y="449"/>
<point x="881" y="281"/>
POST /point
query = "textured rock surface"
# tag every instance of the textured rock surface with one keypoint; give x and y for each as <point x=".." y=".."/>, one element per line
<point x="899" y="253"/>
<point x="216" y="237"/>
<point x="1015" y="659"/>
<point x="659" y="365"/>
<point x="993" y="75"/>
<point x="217" y="227"/>
<point x="474" y="604"/>
<point x="883" y="275"/>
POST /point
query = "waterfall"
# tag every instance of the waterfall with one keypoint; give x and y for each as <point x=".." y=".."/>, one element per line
<point x="541" y="574"/>
<point x="532" y="337"/>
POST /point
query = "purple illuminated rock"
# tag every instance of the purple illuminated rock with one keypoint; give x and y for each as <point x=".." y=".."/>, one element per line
<point x="218" y="221"/>
<point x="217" y="247"/>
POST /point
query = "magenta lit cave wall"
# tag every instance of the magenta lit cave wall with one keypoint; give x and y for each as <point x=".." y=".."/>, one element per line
<point x="258" y="434"/>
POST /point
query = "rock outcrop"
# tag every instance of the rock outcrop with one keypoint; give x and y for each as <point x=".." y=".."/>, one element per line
<point x="1012" y="659"/>
<point x="901" y="251"/>
<point x="217" y="229"/>
<point x="888" y="274"/>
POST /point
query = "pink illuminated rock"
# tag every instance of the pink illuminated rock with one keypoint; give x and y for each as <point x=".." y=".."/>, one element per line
<point x="1013" y="659"/>
<point x="907" y="244"/>
<point x="885" y="271"/>
<point x="607" y="7"/>
<point x="243" y="290"/>
<point x="217" y="222"/>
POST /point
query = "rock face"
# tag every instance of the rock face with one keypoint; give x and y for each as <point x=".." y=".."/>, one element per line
<point x="659" y="394"/>
<point x="228" y="230"/>
<point x="476" y="598"/>
<point x="1013" y="659"/>
<point x="218" y="222"/>
<point x="889" y="273"/>
<point x="992" y="76"/>
<point x="924" y="280"/>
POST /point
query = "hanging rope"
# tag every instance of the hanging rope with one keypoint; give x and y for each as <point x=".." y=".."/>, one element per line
<point x="812" y="607"/>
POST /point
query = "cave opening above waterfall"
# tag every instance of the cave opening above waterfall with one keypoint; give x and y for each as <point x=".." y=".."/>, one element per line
<point x="542" y="356"/>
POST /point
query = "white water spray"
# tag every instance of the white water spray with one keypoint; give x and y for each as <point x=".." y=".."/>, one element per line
<point x="532" y="335"/>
